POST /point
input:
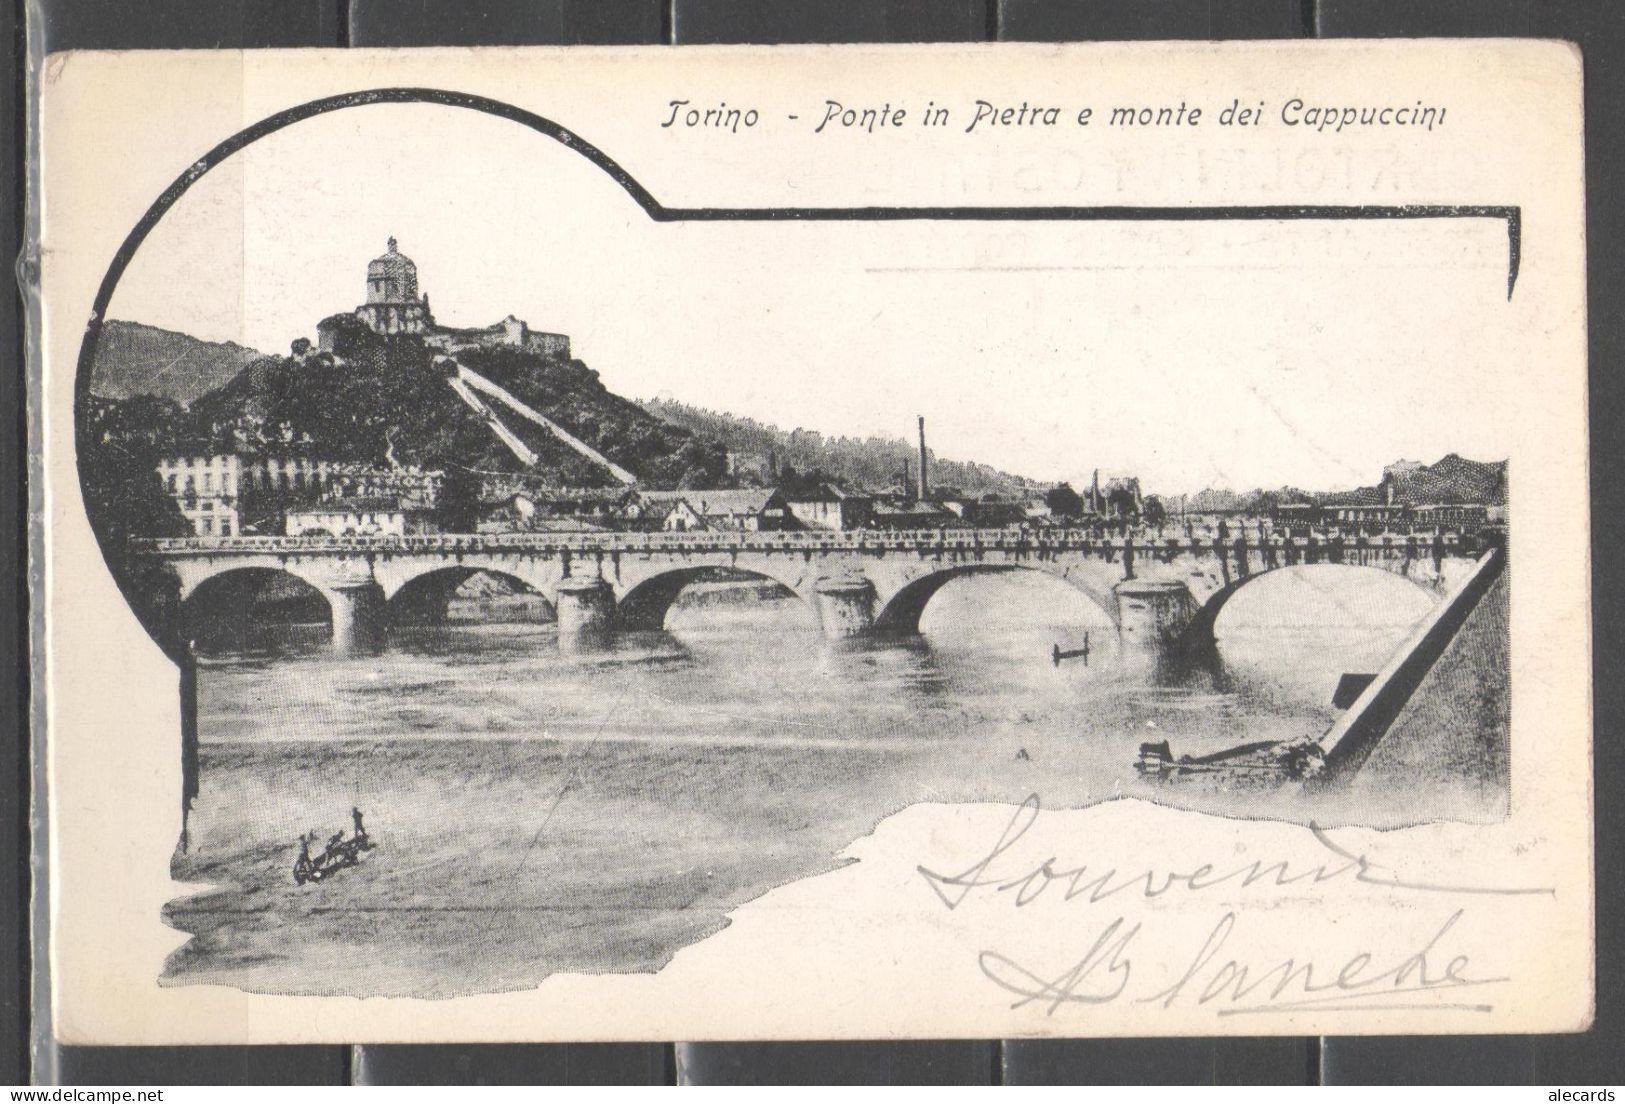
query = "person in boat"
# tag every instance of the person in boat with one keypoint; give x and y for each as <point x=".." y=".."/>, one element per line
<point x="355" y="817"/>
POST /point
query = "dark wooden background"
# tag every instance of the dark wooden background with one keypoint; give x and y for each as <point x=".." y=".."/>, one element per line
<point x="1597" y="25"/>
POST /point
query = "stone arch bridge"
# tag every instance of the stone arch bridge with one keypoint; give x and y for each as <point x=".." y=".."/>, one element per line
<point x="1160" y="591"/>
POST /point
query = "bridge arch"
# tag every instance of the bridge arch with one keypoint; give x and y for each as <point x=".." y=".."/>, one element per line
<point x="902" y="610"/>
<point x="646" y="604"/>
<point x="1201" y="631"/>
<point x="425" y="598"/>
<point x="220" y="606"/>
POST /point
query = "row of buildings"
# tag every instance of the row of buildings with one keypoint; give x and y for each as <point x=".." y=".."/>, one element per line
<point x="227" y="495"/>
<point x="230" y="495"/>
<point x="512" y="504"/>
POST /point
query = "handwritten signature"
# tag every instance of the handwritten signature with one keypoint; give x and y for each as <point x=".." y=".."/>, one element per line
<point x="1368" y="980"/>
<point x="1358" y="984"/>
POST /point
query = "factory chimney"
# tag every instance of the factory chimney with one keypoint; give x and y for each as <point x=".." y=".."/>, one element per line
<point x="924" y="485"/>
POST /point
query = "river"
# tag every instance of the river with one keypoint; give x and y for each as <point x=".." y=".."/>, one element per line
<point x="535" y="812"/>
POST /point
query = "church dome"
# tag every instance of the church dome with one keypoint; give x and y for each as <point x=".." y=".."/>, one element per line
<point x="392" y="278"/>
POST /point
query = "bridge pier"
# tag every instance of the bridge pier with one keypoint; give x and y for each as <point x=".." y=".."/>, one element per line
<point x="358" y="615"/>
<point x="846" y="605"/>
<point x="586" y="611"/>
<point x="1153" y="615"/>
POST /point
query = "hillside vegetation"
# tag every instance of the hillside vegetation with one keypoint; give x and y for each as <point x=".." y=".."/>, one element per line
<point x="874" y="463"/>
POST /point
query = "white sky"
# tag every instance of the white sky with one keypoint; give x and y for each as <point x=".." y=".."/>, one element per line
<point x="1236" y="354"/>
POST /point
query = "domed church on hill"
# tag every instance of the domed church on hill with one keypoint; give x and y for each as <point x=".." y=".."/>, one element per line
<point x="394" y="306"/>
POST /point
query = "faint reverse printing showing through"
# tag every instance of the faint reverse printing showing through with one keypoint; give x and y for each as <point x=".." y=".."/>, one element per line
<point x="495" y="674"/>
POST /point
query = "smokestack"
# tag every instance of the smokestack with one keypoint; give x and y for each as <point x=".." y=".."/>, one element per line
<point x="923" y="488"/>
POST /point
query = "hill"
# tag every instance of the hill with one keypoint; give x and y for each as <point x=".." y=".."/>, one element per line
<point x="387" y="400"/>
<point x="873" y="463"/>
<point x="136" y="359"/>
<point x="1454" y="479"/>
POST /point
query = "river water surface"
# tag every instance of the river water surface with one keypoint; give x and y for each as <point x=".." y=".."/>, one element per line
<point x="535" y="812"/>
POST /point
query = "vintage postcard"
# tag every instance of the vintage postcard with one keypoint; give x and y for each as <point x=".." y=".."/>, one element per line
<point x="958" y="541"/>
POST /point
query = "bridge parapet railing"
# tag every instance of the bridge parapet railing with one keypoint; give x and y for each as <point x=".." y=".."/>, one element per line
<point x="856" y="540"/>
<point x="831" y="540"/>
